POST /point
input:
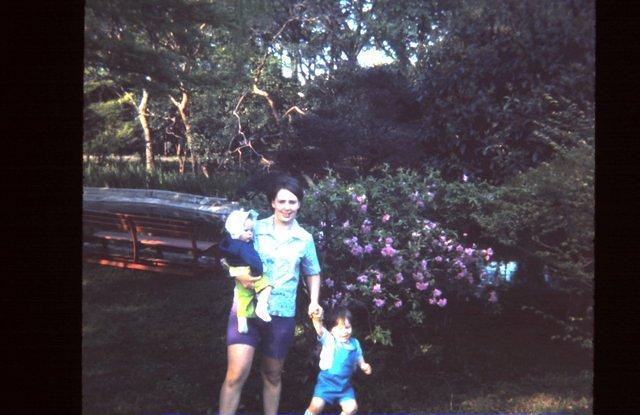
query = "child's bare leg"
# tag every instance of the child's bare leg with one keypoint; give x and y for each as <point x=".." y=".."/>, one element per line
<point x="348" y="407"/>
<point x="243" y="327"/>
<point x="262" y="307"/>
<point x="315" y="407"/>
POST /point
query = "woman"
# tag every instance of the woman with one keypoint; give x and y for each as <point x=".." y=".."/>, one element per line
<point x="285" y="249"/>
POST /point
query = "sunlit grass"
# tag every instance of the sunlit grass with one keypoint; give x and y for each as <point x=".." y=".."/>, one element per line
<point x="127" y="173"/>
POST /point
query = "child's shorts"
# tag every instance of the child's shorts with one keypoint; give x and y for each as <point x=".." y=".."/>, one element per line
<point x="332" y="388"/>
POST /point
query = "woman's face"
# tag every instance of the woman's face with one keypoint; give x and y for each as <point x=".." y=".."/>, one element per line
<point x="285" y="206"/>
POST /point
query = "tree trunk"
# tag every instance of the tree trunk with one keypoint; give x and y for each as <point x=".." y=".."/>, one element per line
<point x="148" y="143"/>
<point x="182" y="157"/>
<point x="182" y="109"/>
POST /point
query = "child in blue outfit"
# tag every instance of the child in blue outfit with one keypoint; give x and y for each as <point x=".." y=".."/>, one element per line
<point x="242" y="259"/>
<point x="340" y="356"/>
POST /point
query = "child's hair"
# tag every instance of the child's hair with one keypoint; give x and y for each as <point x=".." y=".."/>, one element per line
<point x="339" y="314"/>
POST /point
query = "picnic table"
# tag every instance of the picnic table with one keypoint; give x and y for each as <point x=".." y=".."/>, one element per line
<point x="153" y="230"/>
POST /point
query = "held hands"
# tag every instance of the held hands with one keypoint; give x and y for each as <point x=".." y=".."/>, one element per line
<point x="315" y="311"/>
<point x="366" y="368"/>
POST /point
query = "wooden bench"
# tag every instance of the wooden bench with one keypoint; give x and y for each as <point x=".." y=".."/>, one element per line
<point x="147" y="243"/>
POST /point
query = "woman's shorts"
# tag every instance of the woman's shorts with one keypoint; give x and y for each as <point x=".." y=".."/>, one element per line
<point x="275" y="337"/>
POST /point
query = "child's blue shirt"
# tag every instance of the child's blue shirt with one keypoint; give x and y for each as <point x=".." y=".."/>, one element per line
<point x="338" y="358"/>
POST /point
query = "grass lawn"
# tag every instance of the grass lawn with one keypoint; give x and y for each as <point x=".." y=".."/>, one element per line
<point x="155" y="344"/>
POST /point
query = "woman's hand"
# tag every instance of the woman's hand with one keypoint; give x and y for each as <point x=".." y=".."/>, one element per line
<point x="315" y="310"/>
<point x="247" y="281"/>
<point x="366" y="368"/>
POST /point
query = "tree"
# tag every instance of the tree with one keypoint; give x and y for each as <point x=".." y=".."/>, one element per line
<point x="496" y="72"/>
<point x="154" y="48"/>
<point x="357" y="120"/>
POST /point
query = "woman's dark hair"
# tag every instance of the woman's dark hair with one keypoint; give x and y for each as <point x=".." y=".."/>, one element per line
<point x="339" y="314"/>
<point x="284" y="182"/>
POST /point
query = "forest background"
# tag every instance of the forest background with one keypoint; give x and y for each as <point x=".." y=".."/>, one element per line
<point x="472" y="144"/>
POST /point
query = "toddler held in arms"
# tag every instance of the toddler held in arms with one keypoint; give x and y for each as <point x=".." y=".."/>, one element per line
<point x="242" y="258"/>
<point x="340" y="356"/>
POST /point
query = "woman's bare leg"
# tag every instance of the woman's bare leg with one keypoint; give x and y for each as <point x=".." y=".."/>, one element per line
<point x="272" y="384"/>
<point x="239" y="359"/>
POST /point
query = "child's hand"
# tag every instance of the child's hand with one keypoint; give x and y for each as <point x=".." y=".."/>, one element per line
<point x="316" y="316"/>
<point x="366" y="368"/>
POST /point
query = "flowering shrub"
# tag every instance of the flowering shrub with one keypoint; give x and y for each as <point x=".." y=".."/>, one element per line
<point x="379" y="249"/>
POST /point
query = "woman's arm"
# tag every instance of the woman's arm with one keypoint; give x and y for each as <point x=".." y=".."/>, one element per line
<point x="313" y="283"/>
<point x="245" y="279"/>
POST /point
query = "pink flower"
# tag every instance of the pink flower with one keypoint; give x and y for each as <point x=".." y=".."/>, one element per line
<point x="388" y="251"/>
<point x="423" y="264"/>
<point x="432" y="301"/>
<point x="437" y="292"/>
<point x="360" y="199"/>
<point x="378" y="275"/>
<point x="489" y="254"/>
<point x="442" y="302"/>
<point x="385" y="217"/>
<point x="329" y="282"/>
<point x="418" y="276"/>
<point x="357" y="250"/>
<point x="362" y="278"/>
<point x="493" y="297"/>
<point x="368" y="249"/>
<point x="349" y="287"/>
<point x="363" y="208"/>
<point x="438" y="258"/>
<point x="346" y="224"/>
<point x="422" y="285"/>
<point x="388" y="240"/>
<point x="469" y="251"/>
<point x="420" y="203"/>
<point x="399" y="278"/>
<point x="351" y="241"/>
<point x="398" y="304"/>
<point x="465" y="177"/>
<point x="376" y="289"/>
<point x="459" y="248"/>
<point x="379" y="302"/>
